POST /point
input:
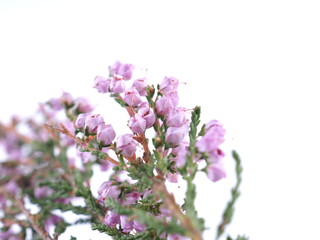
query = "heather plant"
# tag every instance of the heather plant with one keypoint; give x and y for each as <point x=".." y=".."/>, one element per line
<point x="48" y="164"/>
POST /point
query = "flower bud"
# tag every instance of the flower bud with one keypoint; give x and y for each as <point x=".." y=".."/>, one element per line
<point x="80" y="121"/>
<point x="117" y="86"/>
<point x="126" y="225"/>
<point x="126" y="145"/>
<point x="102" y="84"/>
<point x="92" y="122"/>
<point x="122" y="69"/>
<point x="164" y="105"/>
<point x="112" y="219"/>
<point x="169" y="85"/>
<point x="105" y="134"/>
<point x="212" y="138"/>
<point x="132" y="97"/>
<point x="176" y="118"/>
<point x="175" y="135"/>
<point x="137" y="124"/>
<point x="140" y="85"/>
<point x="216" y="171"/>
<point x="147" y="114"/>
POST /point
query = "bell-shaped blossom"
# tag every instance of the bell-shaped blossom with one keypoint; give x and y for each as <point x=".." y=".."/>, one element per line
<point x="131" y="198"/>
<point x="175" y="135"/>
<point x="176" y="118"/>
<point x="66" y="99"/>
<point x="132" y="97"/>
<point x="122" y="69"/>
<point x="164" y="105"/>
<point x="102" y="84"/>
<point x="137" y="124"/>
<point x="140" y="85"/>
<point x="212" y="139"/>
<point x="55" y="103"/>
<point x="92" y="122"/>
<point x="80" y="121"/>
<point x="126" y="224"/>
<point x="105" y="134"/>
<point x="112" y="219"/>
<point x="180" y="153"/>
<point x="147" y="114"/>
<point x="139" y="227"/>
<point x="51" y="221"/>
<point x="107" y="190"/>
<point x="216" y="155"/>
<point x="117" y="86"/>
<point x="169" y="85"/>
<point x="216" y="171"/>
<point x="82" y="105"/>
<point x="126" y="145"/>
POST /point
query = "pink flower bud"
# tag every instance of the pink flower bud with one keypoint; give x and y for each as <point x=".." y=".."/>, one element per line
<point x="112" y="219"/>
<point x="127" y="145"/>
<point x="212" y="138"/>
<point x="216" y="171"/>
<point x="164" y="105"/>
<point x="126" y="225"/>
<point x="132" y="97"/>
<point x="175" y="135"/>
<point x="102" y="84"/>
<point x="147" y="114"/>
<point x="122" y="69"/>
<point x="141" y="85"/>
<point x="80" y="121"/>
<point x="92" y="122"/>
<point x="176" y="118"/>
<point x="105" y="134"/>
<point x="169" y="85"/>
<point x="83" y="105"/>
<point x="117" y="86"/>
<point x="139" y="227"/>
<point x="66" y="99"/>
<point x="137" y="124"/>
<point x="107" y="190"/>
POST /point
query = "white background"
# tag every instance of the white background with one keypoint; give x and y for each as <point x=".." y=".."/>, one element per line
<point x="253" y="65"/>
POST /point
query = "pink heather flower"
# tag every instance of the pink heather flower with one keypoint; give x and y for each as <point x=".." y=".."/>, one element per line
<point x="80" y="121"/>
<point x="147" y="114"/>
<point x="169" y="85"/>
<point x="132" y="97"/>
<point x="40" y="192"/>
<point x="216" y="155"/>
<point x="102" y="84"/>
<point x="66" y="99"/>
<point x="137" y="124"/>
<point x="175" y="135"/>
<point x="105" y="134"/>
<point x="107" y="190"/>
<point x="172" y="177"/>
<point x="83" y="105"/>
<point x="139" y="227"/>
<point x="164" y="105"/>
<point x="55" y="103"/>
<point x="112" y="219"/>
<point x="122" y="69"/>
<point x="127" y="145"/>
<point x="117" y="86"/>
<point x="51" y="221"/>
<point x="141" y="85"/>
<point x="176" y="118"/>
<point x="12" y="187"/>
<point x="131" y="198"/>
<point x="216" y="171"/>
<point x="92" y="122"/>
<point x="176" y="237"/>
<point x="180" y="153"/>
<point x="126" y="225"/>
<point x="212" y="138"/>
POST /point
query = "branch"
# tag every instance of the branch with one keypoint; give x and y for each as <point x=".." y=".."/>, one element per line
<point x="44" y="235"/>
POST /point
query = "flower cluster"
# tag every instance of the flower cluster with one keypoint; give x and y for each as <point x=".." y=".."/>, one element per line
<point x="53" y="163"/>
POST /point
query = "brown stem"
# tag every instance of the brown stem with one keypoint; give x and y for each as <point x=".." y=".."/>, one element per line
<point x="44" y="235"/>
<point x="170" y="203"/>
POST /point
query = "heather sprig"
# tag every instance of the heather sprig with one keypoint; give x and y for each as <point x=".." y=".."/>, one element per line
<point x="51" y="166"/>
